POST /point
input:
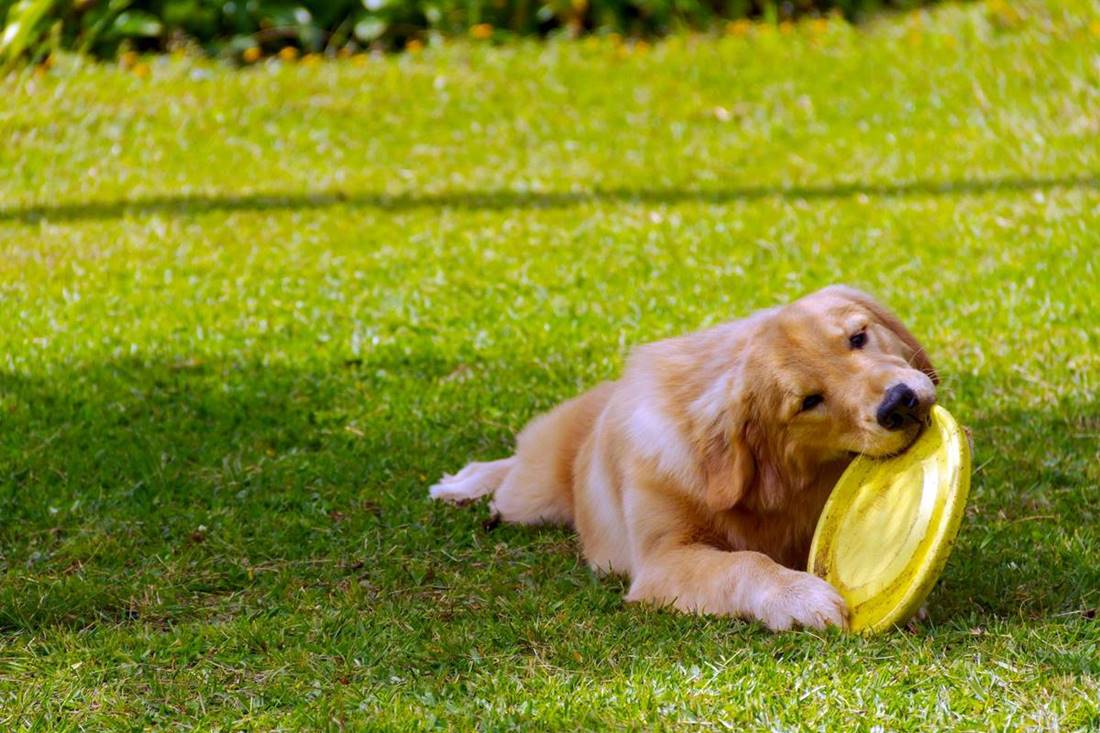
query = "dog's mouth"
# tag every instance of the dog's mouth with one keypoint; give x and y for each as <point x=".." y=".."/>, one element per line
<point x="921" y="426"/>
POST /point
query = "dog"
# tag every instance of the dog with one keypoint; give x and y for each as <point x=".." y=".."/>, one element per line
<point x="701" y="473"/>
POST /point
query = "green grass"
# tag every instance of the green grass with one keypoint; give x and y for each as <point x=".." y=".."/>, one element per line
<point x="248" y="317"/>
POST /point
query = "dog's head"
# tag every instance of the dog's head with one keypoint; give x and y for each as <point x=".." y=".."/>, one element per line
<point x="824" y="378"/>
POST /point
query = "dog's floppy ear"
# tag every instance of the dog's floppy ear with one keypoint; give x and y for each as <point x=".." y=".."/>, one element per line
<point x="730" y="470"/>
<point x="742" y="468"/>
<point x="919" y="357"/>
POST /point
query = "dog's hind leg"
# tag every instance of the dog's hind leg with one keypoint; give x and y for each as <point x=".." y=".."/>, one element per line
<point x="535" y="486"/>
<point x="539" y="489"/>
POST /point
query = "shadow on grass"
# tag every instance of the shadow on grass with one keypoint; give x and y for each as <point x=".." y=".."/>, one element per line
<point x="1028" y="546"/>
<point x="504" y="199"/>
<point x="136" y="491"/>
<point x="133" y="490"/>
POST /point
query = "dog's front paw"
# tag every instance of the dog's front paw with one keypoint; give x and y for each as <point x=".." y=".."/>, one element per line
<point x="801" y="599"/>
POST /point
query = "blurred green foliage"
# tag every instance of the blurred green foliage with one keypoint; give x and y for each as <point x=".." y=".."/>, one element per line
<point x="104" y="27"/>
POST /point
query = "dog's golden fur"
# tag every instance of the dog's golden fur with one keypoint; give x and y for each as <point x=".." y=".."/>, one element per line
<point x="700" y="474"/>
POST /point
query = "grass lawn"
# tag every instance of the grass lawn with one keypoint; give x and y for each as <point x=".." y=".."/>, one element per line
<point x="249" y="316"/>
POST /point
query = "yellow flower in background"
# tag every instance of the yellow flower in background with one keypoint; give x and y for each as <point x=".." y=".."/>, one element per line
<point x="739" y="27"/>
<point x="360" y="59"/>
<point x="251" y="54"/>
<point x="141" y="70"/>
<point x="311" y="59"/>
<point x="288" y="54"/>
<point x="482" y="31"/>
<point x="786" y="27"/>
<point x="642" y="47"/>
<point x="819" y="26"/>
<point x="128" y="59"/>
<point x="414" y="46"/>
<point x="1094" y="27"/>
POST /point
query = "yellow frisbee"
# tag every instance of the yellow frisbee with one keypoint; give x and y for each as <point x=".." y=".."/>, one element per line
<point x="889" y="524"/>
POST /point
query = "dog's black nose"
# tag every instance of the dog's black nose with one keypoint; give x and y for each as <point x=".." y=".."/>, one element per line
<point x="899" y="406"/>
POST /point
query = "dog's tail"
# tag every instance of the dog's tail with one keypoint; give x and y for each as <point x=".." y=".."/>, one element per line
<point x="473" y="482"/>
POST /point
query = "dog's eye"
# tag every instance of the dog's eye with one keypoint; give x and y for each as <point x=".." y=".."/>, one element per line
<point x="812" y="401"/>
<point x="857" y="340"/>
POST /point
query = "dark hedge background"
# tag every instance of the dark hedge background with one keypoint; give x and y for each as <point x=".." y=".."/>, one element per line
<point x="230" y="27"/>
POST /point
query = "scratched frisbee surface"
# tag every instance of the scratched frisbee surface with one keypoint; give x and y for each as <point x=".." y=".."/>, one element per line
<point x="889" y="525"/>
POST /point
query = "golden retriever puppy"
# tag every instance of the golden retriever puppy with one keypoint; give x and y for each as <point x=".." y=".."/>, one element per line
<point x="700" y="474"/>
